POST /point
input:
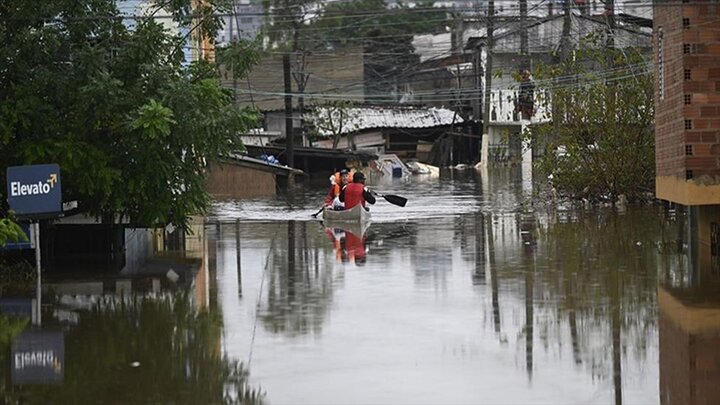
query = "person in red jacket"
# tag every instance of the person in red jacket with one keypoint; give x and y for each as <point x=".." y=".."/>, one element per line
<point x="334" y="189"/>
<point x="356" y="193"/>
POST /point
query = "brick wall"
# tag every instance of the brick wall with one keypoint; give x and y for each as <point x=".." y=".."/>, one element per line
<point x="687" y="90"/>
<point x="230" y="181"/>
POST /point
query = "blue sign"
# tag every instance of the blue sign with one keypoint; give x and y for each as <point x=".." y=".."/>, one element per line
<point x="38" y="357"/>
<point x="34" y="190"/>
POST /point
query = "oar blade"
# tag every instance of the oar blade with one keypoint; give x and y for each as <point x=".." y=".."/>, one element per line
<point x="395" y="199"/>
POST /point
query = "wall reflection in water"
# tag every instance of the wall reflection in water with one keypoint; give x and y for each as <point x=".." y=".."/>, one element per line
<point x="689" y="320"/>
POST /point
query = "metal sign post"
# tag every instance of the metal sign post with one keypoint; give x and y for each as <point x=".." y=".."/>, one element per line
<point x="38" y="292"/>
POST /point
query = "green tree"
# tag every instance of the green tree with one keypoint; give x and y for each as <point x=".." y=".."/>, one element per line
<point x="10" y="231"/>
<point x="130" y="123"/>
<point x="600" y="142"/>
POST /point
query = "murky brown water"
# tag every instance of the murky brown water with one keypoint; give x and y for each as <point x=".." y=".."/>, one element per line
<point x="473" y="293"/>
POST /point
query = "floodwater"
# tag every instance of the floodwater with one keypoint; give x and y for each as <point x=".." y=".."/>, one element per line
<point x="480" y="290"/>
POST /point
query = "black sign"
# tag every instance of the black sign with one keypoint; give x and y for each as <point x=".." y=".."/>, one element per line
<point x="38" y="357"/>
<point x="34" y="191"/>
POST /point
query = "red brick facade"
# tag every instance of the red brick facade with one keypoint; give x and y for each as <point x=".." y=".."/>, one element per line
<point x="686" y="46"/>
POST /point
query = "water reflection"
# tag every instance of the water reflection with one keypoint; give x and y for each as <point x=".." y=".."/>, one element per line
<point x="348" y="240"/>
<point x="151" y="337"/>
<point x="689" y="322"/>
<point x="499" y="300"/>
<point x="558" y="305"/>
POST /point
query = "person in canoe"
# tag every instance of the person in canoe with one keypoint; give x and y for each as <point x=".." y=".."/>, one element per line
<point x="334" y="191"/>
<point x="337" y="182"/>
<point x="356" y="193"/>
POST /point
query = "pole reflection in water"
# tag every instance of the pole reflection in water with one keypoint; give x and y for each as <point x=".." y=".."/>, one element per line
<point x="527" y="235"/>
<point x="480" y="252"/>
<point x="239" y="256"/>
<point x="493" y="275"/>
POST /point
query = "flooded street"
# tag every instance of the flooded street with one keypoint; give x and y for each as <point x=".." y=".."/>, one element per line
<point x="467" y="295"/>
<point x="472" y="293"/>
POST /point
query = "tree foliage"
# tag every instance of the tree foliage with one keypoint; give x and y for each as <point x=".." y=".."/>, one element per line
<point x="112" y="101"/>
<point x="600" y="140"/>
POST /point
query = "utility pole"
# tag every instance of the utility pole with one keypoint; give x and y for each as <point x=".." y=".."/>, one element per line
<point x="488" y="83"/>
<point x="289" y="135"/>
<point x="524" y="52"/>
<point x="610" y="14"/>
<point x="232" y="29"/>
<point x="565" y="39"/>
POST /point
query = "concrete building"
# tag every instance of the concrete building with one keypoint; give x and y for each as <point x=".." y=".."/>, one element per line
<point x="244" y="22"/>
<point x="332" y="76"/>
<point x="505" y="120"/>
<point x="687" y="116"/>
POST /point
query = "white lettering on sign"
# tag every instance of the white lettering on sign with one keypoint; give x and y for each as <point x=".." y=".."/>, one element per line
<point x="39" y="358"/>
<point x="18" y="189"/>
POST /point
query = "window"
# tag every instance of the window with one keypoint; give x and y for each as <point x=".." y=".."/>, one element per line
<point x="688" y="74"/>
<point x="686" y="23"/>
<point x="688" y="174"/>
<point x="690" y="48"/>
<point x="688" y="124"/>
<point x="688" y="99"/>
<point x="688" y="150"/>
<point x="686" y="48"/>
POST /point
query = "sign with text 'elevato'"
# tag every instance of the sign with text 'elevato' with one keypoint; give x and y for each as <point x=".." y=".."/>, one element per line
<point x="34" y="190"/>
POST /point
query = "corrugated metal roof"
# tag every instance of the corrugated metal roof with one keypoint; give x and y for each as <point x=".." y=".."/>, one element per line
<point x="328" y="120"/>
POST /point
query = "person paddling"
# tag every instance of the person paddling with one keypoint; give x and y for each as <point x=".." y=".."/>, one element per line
<point x="356" y="193"/>
<point x="334" y="190"/>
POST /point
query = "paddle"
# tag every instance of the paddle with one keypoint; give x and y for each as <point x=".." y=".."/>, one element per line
<point x="319" y="211"/>
<point x="393" y="199"/>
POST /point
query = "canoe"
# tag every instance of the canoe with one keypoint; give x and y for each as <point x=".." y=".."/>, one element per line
<point x="354" y="214"/>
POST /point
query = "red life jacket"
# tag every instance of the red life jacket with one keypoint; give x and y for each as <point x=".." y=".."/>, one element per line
<point x="354" y="195"/>
<point x="334" y="192"/>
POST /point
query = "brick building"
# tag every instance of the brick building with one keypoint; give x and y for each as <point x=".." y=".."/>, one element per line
<point x="686" y="46"/>
<point x="687" y="117"/>
<point x="687" y="102"/>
